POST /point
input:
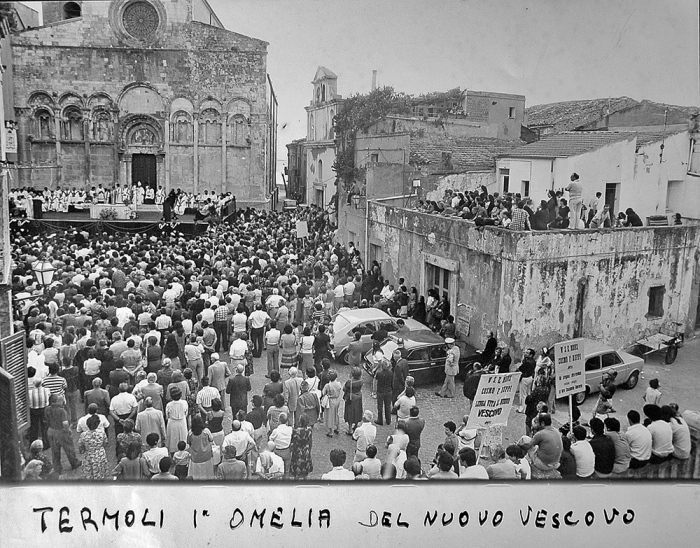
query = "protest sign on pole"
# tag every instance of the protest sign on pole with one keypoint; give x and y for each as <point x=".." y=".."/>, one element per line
<point x="569" y="367"/>
<point x="493" y="400"/>
<point x="302" y="229"/>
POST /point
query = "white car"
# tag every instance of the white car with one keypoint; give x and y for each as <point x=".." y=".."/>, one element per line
<point x="601" y="359"/>
<point x="367" y="321"/>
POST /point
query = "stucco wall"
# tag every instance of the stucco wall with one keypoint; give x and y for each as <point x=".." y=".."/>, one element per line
<point x="462" y="182"/>
<point x="543" y="273"/>
<point x="408" y="236"/>
<point x="526" y="285"/>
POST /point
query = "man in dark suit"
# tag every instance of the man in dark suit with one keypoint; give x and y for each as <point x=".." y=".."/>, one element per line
<point x="238" y="387"/>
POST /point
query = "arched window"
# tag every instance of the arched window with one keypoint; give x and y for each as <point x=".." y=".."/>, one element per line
<point x="312" y="128"/>
<point x="209" y="127"/>
<point x="71" y="10"/>
<point x="323" y="92"/>
<point x="240" y="131"/>
<point x="319" y="172"/>
<point x="331" y="133"/>
<point x="72" y="125"/>
<point x="102" y="127"/>
<point x="318" y="94"/>
<point x="181" y="128"/>
<point x="43" y="125"/>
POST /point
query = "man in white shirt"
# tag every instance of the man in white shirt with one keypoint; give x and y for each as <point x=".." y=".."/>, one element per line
<point x="123" y="406"/>
<point x="208" y="313"/>
<point x="364" y="435"/>
<point x="348" y="290"/>
<point x="639" y="439"/>
<point x="575" y="191"/>
<point x="272" y="341"/>
<point x="241" y="440"/>
<point x="282" y="438"/>
<point x="338" y="473"/>
<point x="338" y="293"/>
<point x="154" y="453"/>
<point x="593" y="207"/>
<point x="583" y="453"/>
<point x="468" y="467"/>
<point x="269" y="466"/>
<point x="661" y="435"/>
<point x="258" y="321"/>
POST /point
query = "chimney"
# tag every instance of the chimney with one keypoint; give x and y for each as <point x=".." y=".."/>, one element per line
<point x="374" y="80"/>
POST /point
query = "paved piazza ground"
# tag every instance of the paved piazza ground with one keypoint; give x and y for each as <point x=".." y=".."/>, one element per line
<point x="677" y="384"/>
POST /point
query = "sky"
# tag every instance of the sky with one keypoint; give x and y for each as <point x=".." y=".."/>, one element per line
<point x="547" y="50"/>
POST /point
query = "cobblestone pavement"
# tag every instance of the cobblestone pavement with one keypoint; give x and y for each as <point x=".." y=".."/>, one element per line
<point x="677" y="384"/>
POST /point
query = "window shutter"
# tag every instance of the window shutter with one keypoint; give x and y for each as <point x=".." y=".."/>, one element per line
<point x="9" y="446"/>
<point x="13" y="358"/>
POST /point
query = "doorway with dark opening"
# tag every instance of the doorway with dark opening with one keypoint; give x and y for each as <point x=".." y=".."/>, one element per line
<point x="143" y="170"/>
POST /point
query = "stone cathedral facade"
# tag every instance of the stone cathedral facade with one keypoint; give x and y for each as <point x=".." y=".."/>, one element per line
<point x="155" y="91"/>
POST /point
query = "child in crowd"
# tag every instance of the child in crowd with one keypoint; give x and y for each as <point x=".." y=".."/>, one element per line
<point x="181" y="458"/>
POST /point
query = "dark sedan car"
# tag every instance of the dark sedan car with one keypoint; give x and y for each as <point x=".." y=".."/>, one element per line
<point x="425" y="352"/>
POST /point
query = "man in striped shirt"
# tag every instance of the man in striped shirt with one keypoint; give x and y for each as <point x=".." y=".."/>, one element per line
<point x="38" y="401"/>
<point x="205" y="396"/>
<point x="221" y="327"/>
<point x="56" y="384"/>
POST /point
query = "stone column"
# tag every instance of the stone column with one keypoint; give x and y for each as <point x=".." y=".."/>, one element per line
<point x="195" y="152"/>
<point x="57" y="133"/>
<point x="86" y="140"/>
<point x="166" y="147"/>
<point x="127" y="169"/>
<point x="224" y="125"/>
<point x="161" y="170"/>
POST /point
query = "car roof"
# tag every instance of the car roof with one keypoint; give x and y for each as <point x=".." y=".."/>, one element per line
<point x="591" y="346"/>
<point x="364" y="314"/>
<point x="415" y="339"/>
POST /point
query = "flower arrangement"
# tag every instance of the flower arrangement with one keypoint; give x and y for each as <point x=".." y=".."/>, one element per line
<point x="108" y="214"/>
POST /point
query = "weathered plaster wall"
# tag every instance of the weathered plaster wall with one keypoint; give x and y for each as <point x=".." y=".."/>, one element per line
<point x="540" y="298"/>
<point x="461" y="182"/>
<point x="538" y="288"/>
<point x="408" y="235"/>
<point x="315" y="180"/>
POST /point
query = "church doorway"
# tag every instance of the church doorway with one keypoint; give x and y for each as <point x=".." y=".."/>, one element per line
<point x="143" y="169"/>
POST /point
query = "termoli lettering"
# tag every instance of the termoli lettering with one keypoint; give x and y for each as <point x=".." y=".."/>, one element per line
<point x="86" y="519"/>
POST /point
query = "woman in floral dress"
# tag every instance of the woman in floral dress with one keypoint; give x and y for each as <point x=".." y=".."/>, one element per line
<point x="92" y="444"/>
<point x="302" y="439"/>
<point x="126" y="438"/>
<point x="192" y="396"/>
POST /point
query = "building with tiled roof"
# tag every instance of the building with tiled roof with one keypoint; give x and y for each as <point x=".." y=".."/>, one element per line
<point x="644" y="170"/>
<point x="457" y="156"/>
<point x="606" y="113"/>
<point x="568" y="115"/>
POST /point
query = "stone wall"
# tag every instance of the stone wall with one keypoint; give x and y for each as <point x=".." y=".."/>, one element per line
<point x="192" y="73"/>
<point x="537" y="288"/>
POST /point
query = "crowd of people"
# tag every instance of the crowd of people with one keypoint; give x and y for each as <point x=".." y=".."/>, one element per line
<point x="517" y="212"/>
<point x="154" y="339"/>
<point x="65" y="200"/>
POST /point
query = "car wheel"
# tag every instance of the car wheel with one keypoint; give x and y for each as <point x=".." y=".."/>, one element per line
<point x="343" y="358"/>
<point x="580" y="397"/>
<point x="632" y="381"/>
